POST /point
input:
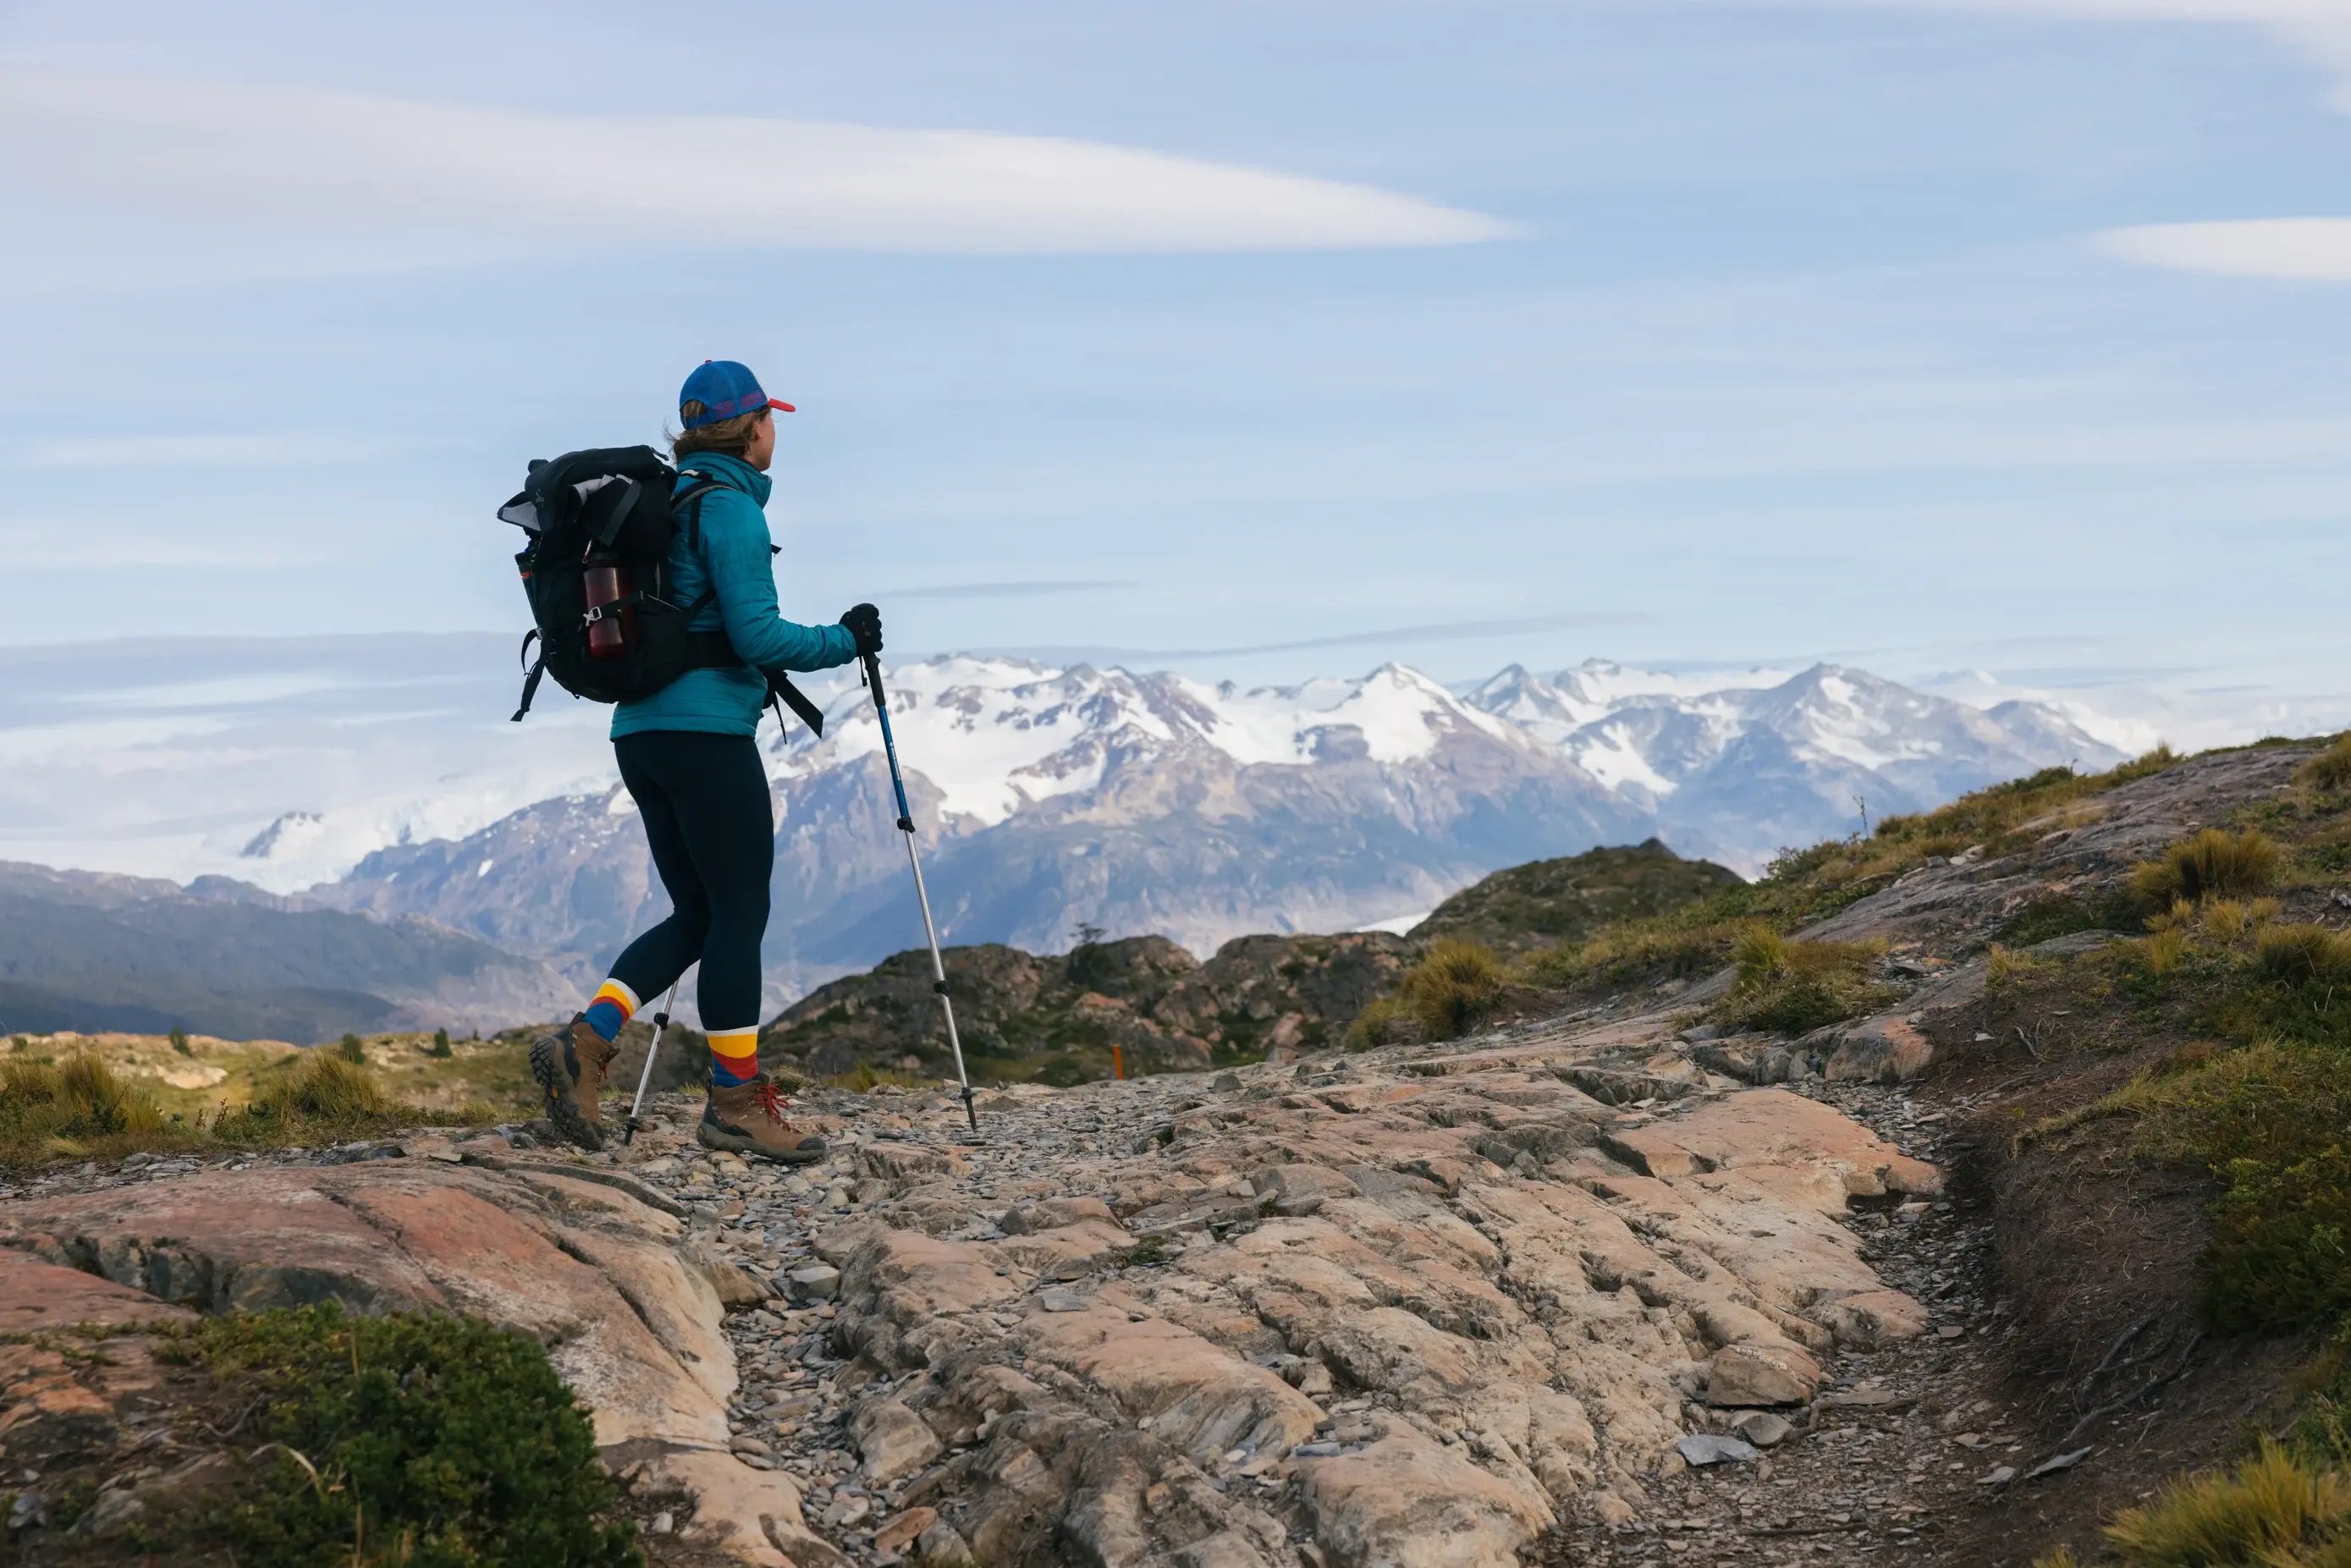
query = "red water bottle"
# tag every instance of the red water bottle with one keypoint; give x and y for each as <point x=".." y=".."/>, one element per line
<point x="609" y="629"/>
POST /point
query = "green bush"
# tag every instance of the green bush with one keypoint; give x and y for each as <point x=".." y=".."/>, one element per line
<point x="353" y="1052"/>
<point x="179" y="1042"/>
<point x="2269" y="1121"/>
<point x="1380" y="1023"/>
<point x="427" y="1442"/>
<point x="2330" y="771"/>
<point x="2214" y="863"/>
<point x="1794" y="986"/>
<point x="440" y="1046"/>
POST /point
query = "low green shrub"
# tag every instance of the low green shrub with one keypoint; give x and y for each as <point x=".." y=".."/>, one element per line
<point x="2213" y="863"/>
<point x="1380" y="1023"/>
<point x="2271" y="1121"/>
<point x="2329" y="772"/>
<point x="353" y="1052"/>
<point x="1791" y="985"/>
<point x="423" y="1441"/>
<point x="1636" y="952"/>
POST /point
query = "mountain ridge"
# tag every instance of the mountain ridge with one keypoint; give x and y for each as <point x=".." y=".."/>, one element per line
<point x="1053" y="798"/>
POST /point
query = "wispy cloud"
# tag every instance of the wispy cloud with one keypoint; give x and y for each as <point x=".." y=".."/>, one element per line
<point x="476" y="178"/>
<point x="279" y="450"/>
<point x="1003" y="590"/>
<point x="2309" y="249"/>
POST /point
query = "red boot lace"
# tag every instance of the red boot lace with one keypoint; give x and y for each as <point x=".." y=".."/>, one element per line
<point x="772" y="1103"/>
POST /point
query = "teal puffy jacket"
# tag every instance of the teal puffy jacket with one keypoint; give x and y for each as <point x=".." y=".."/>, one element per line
<point x="734" y="565"/>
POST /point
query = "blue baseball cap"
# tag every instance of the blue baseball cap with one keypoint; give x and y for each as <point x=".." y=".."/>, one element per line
<point x="722" y="388"/>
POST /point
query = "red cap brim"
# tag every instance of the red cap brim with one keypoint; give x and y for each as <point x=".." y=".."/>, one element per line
<point x="779" y="402"/>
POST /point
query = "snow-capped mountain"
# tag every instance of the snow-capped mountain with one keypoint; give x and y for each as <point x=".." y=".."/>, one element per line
<point x="1769" y="759"/>
<point x="1047" y="799"/>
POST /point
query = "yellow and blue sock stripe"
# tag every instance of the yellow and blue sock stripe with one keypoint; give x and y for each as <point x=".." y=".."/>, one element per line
<point x="610" y="1011"/>
<point x="734" y="1056"/>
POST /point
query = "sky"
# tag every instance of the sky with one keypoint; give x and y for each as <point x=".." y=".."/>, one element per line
<point x="1989" y="342"/>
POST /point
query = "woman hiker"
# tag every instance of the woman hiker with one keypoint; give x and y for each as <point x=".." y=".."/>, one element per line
<point x="687" y="756"/>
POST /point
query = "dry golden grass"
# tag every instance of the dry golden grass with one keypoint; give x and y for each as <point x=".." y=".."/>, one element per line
<point x="1452" y="987"/>
<point x="1791" y="985"/>
<point x="2268" y="1510"/>
<point x="60" y="1108"/>
<point x="2302" y="954"/>
<point x="2213" y="863"/>
<point x="2329" y="772"/>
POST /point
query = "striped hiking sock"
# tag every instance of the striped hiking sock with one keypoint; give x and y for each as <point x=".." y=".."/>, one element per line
<point x="615" y="1005"/>
<point x="734" y="1056"/>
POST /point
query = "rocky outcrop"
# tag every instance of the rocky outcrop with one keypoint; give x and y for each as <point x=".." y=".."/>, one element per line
<point x="1164" y="1009"/>
<point x="1551" y="901"/>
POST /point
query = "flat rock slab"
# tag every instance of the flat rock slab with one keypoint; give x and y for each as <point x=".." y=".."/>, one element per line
<point x="1774" y="1127"/>
<point x="630" y="1320"/>
<point x="1418" y="1308"/>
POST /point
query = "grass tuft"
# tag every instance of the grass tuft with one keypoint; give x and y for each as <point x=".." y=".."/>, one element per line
<point x="2301" y="955"/>
<point x="325" y="1087"/>
<point x="2213" y="863"/>
<point x="1791" y="985"/>
<point x="2329" y="772"/>
<point x="1454" y="987"/>
<point x="2270" y="1504"/>
<point x="1385" y="1021"/>
<point x="62" y="1107"/>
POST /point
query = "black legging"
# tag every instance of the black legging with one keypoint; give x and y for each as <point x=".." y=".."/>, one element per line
<point x="712" y="830"/>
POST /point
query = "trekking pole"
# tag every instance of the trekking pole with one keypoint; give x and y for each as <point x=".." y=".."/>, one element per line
<point x="873" y="677"/>
<point x="646" y="1078"/>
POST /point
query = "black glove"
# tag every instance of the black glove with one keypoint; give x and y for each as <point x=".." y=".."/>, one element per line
<point x="864" y="623"/>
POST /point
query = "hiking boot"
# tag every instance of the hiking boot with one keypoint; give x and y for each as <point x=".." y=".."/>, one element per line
<point x="569" y="1066"/>
<point x="748" y="1118"/>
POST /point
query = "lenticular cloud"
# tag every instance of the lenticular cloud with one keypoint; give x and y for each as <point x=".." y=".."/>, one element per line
<point x="284" y="158"/>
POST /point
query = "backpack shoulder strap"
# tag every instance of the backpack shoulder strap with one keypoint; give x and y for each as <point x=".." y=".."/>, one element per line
<point x="692" y="501"/>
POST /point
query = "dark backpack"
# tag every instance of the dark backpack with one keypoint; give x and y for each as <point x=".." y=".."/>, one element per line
<point x="613" y="508"/>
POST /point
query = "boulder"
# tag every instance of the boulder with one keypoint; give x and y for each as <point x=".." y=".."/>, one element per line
<point x="1756" y="1372"/>
<point x="892" y="1440"/>
<point x="1882" y="1050"/>
<point x="1872" y="1318"/>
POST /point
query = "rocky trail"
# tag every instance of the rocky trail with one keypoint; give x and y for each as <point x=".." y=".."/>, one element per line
<point x="1450" y="1305"/>
<point x="1431" y="1306"/>
<point x="1609" y="1287"/>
